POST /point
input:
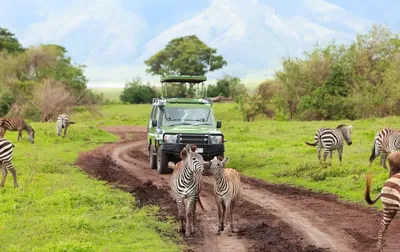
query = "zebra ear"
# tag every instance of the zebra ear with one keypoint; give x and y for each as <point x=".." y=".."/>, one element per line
<point x="350" y="126"/>
<point x="226" y="160"/>
<point x="188" y="149"/>
<point x="215" y="158"/>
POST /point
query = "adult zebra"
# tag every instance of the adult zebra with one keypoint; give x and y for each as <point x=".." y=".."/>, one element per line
<point x="16" y="124"/>
<point x="63" y="122"/>
<point x="6" y="151"/>
<point x="186" y="184"/>
<point x="385" y="141"/>
<point x="332" y="139"/>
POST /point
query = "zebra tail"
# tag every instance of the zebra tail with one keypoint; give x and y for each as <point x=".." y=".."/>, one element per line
<point x="367" y="192"/>
<point x="201" y="205"/>
<point x="372" y="157"/>
<point x="312" y="144"/>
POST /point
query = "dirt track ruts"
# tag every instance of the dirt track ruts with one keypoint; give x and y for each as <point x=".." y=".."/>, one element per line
<point x="267" y="218"/>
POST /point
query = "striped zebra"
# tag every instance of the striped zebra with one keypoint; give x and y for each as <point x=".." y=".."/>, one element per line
<point x="227" y="189"/>
<point x="16" y="124"/>
<point x="390" y="195"/>
<point x="385" y="141"/>
<point x="332" y="139"/>
<point x="63" y="122"/>
<point x="6" y="151"/>
<point x="186" y="184"/>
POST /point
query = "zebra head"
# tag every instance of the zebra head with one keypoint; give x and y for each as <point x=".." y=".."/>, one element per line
<point x="217" y="164"/>
<point x="31" y="136"/>
<point x="192" y="160"/>
<point x="346" y="132"/>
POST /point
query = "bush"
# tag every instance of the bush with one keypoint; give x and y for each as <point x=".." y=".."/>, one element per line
<point x="136" y="92"/>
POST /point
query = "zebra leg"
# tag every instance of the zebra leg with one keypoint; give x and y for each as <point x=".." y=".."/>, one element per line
<point x="340" y="152"/>
<point x="11" y="168"/>
<point x="194" y="216"/>
<point x="65" y="131"/>
<point x="223" y="215"/>
<point x="189" y="211"/>
<point x="19" y="135"/>
<point x="229" y="216"/>
<point x="4" y="174"/>
<point x="181" y="214"/>
<point x="330" y="155"/>
<point x="326" y="152"/>
<point x="319" y="153"/>
<point x="220" y="219"/>
<point x="388" y="215"/>
<point x="383" y="160"/>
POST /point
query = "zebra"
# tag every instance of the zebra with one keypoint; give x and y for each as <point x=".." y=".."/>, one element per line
<point x="186" y="183"/>
<point x="16" y="124"/>
<point x="63" y="122"/>
<point x="332" y="139"/>
<point x="227" y="188"/>
<point x="385" y="141"/>
<point x="390" y="195"/>
<point x="6" y="151"/>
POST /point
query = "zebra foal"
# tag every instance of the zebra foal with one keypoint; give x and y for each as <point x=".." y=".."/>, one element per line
<point x="332" y="139"/>
<point x="385" y="141"/>
<point x="186" y="184"/>
<point x="227" y="189"/>
<point x="6" y="151"/>
<point x="63" y="122"/>
<point x="16" y="124"/>
<point x="390" y="195"/>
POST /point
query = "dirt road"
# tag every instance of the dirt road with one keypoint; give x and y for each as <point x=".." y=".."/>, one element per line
<point x="267" y="218"/>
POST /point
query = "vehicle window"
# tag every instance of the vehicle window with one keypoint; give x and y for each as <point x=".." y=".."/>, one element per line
<point x="153" y="113"/>
<point x="192" y="116"/>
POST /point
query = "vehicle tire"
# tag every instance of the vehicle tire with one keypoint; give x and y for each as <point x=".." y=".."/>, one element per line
<point x="153" y="158"/>
<point x="162" y="162"/>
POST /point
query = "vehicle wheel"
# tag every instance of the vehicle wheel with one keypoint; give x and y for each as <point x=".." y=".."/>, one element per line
<point x="162" y="162"/>
<point x="153" y="158"/>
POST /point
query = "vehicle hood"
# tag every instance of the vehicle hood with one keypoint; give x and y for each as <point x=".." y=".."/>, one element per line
<point x="201" y="129"/>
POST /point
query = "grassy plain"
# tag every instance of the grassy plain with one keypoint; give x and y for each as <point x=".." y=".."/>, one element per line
<point x="58" y="208"/>
<point x="111" y="94"/>
<point x="275" y="150"/>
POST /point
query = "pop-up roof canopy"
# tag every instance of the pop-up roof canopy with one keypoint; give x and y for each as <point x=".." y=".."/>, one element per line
<point x="183" y="79"/>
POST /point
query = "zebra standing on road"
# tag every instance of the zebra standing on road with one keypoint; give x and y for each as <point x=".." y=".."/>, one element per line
<point x="227" y="189"/>
<point x="16" y="124"/>
<point x="385" y="141"/>
<point x="186" y="183"/>
<point x="6" y="151"/>
<point x="332" y="139"/>
<point x="390" y="195"/>
<point x="62" y="123"/>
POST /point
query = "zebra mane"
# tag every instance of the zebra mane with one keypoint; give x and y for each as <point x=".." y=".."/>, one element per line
<point x="341" y="126"/>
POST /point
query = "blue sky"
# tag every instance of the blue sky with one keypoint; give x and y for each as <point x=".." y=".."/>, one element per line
<point x="113" y="37"/>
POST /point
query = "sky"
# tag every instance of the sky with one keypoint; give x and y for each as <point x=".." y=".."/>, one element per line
<point x="113" y="37"/>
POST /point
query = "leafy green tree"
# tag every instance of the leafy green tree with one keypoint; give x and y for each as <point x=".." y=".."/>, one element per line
<point x="184" y="56"/>
<point x="8" y="42"/>
<point x="229" y="86"/>
<point x="136" y="92"/>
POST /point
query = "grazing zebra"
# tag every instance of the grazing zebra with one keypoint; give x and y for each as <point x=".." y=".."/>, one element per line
<point x="390" y="195"/>
<point x="6" y="151"/>
<point x="63" y="122"/>
<point x="385" y="141"/>
<point x="17" y="124"/>
<point x="227" y="189"/>
<point x="186" y="184"/>
<point x="332" y="139"/>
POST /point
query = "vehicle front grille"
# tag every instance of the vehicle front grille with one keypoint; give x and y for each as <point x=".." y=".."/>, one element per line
<point x="193" y="139"/>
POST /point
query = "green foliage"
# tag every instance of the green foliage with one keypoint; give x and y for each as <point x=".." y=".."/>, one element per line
<point x="343" y="82"/>
<point x="184" y="56"/>
<point x="8" y="42"/>
<point x="228" y="86"/>
<point x="58" y="208"/>
<point x="136" y="92"/>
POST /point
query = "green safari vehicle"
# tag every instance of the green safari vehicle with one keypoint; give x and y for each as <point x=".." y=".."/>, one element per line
<point x="175" y="122"/>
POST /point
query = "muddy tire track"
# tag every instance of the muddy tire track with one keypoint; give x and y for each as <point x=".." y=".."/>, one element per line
<point x="267" y="218"/>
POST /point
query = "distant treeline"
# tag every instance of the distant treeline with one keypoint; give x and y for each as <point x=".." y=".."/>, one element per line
<point x="39" y="82"/>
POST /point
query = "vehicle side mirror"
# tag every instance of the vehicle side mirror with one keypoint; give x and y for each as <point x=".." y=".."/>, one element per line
<point x="154" y="123"/>
<point x="219" y="124"/>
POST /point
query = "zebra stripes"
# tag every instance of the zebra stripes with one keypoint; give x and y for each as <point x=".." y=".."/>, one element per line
<point x="63" y="122"/>
<point x="227" y="189"/>
<point x="390" y="195"/>
<point x="6" y="151"/>
<point x="385" y="141"/>
<point x="332" y="139"/>
<point x="186" y="183"/>
<point x="16" y="124"/>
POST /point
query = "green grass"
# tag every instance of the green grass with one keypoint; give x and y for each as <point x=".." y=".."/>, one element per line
<point x="275" y="151"/>
<point x="109" y="93"/>
<point x="58" y="208"/>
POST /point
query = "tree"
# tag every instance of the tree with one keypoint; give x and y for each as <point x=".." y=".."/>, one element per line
<point x="136" y="92"/>
<point x="229" y="86"/>
<point x="184" y="56"/>
<point x="8" y="42"/>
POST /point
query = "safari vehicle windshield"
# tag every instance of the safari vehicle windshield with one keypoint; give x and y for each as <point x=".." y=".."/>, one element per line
<point x="187" y="116"/>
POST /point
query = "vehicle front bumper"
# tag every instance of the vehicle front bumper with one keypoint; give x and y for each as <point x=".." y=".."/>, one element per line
<point x="209" y="150"/>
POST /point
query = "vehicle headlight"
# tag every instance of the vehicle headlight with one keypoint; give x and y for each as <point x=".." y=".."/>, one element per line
<point x="216" y="139"/>
<point x="170" y="138"/>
